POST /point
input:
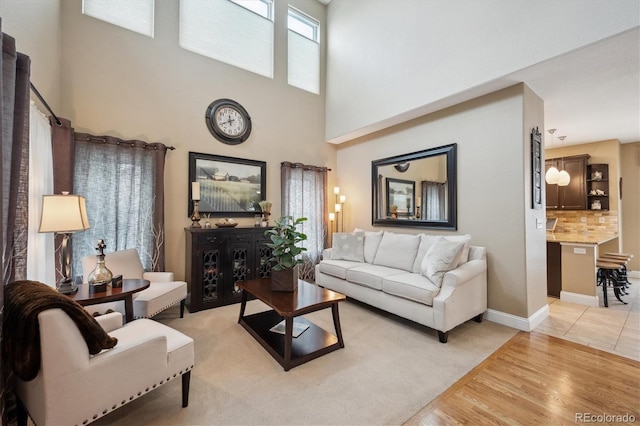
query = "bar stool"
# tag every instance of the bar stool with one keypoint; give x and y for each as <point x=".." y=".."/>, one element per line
<point x="622" y="257"/>
<point x="609" y="274"/>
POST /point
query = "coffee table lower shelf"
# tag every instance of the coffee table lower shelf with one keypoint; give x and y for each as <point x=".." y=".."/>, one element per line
<point x="312" y="343"/>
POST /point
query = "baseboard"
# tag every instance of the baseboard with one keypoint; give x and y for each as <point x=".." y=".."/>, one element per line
<point x="633" y="274"/>
<point x="580" y="299"/>
<point x="520" y="323"/>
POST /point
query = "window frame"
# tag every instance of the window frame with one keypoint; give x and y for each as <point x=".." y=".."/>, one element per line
<point x="314" y="24"/>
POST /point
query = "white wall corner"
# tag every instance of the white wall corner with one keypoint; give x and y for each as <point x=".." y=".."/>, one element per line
<point x="580" y="299"/>
<point x="520" y="323"/>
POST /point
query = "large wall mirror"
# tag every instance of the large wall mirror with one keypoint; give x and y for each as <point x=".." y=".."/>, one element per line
<point x="417" y="189"/>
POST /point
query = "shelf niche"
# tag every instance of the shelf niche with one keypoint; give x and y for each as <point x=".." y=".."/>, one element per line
<point x="598" y="187"/>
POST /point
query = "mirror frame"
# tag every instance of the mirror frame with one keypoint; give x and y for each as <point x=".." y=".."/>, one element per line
<point x="451" y="160"/>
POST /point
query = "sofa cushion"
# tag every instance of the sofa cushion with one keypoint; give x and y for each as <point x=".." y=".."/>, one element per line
<point x="466" y="240"/>
<point x="443" y="256"/>
<point x="397" y="251"/>
<point x="371" y="243"/>
<point x="411" y="286"/>
<point x="337" y="268"/>
<point x="426" y="241"/>
<point x="369" y="275"/>
<point x="348" y="246"/>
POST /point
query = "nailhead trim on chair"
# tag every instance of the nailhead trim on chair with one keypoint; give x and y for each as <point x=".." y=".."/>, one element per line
<point x="161" y="309"/>
<point x="131" y="398"/>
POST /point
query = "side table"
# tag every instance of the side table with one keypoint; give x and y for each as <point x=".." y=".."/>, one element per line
<point x="129" y="286"/>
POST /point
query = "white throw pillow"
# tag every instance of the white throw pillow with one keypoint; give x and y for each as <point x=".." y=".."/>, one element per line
<point x="426" y="241"/>
<point x="466" y="239"/>
<point x="442" y="257"/>
<point x="397" y="251"/>
<point x="371" y="243"/>
<point x="348" y="246"/>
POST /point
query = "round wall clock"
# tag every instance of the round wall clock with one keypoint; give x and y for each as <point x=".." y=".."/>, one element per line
<point x="228" y="121"/>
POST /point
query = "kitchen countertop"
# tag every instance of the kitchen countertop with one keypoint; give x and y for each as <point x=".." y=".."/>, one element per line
<point x="580" y="238"/>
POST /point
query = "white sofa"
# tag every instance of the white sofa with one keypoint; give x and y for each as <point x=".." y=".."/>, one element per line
<point x="436" y="281"/>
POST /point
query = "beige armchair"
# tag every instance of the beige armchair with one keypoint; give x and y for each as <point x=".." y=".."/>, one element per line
<point x="161" y="294"/>
<point x="72" y="369"/>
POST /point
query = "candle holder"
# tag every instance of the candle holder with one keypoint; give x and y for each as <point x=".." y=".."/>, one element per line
<point x="195" y="217"/>
<point x="265" y="218"/>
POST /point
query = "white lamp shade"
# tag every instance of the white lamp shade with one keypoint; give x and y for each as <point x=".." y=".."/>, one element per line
<point x="552" y="175"/>
<point x="563" y="178"/>
<point x="63" y="213"/>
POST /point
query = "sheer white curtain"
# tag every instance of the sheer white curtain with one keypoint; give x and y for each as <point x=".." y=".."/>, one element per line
<point x="304" y="194"/>
<point x="40" y="247"/>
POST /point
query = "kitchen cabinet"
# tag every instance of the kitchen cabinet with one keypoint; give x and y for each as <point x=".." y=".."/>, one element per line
<point x="216" y="260"/>
<point x="574" y="195"/>
<point x="598" y="186"/>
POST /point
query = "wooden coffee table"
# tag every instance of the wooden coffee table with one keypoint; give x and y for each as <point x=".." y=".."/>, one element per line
<point x="287" y="350"/>
<point x="129" y="286"/>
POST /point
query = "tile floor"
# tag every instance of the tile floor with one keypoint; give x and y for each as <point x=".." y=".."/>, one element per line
<point x="615" y="329"/>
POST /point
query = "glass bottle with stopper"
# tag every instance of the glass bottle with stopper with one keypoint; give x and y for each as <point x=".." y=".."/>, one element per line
<point x="101" y="275"/>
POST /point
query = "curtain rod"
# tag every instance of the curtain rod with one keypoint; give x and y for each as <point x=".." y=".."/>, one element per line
<point x="46" y="105"/>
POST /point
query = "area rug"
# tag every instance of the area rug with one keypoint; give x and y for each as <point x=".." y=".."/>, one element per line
<point x="389" y="369"/>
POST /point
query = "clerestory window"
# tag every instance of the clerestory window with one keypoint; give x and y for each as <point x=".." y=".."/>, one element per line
<point x="133" y="15"/>
<point x="304" y="51"/>
<point x="237" y="32"/>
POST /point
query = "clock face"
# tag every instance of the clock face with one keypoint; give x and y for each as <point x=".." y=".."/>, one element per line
<point x="228" y="121"/>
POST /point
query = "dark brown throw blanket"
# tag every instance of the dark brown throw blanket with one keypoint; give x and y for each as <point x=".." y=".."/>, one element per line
<point x="24" y="300"/>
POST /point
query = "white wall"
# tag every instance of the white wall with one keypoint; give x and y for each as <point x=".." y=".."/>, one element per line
<point x="493" y="186"/>
<point x="630" y="174"/>
<point x="35" y="24"/>
<point x="396" y="59"/>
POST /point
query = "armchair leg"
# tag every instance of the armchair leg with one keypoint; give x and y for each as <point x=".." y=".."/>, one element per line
<point x="443" y="336"/>
<point x="478" y="318"/>
<point x="182" y="308"/>
<point x="186" y="379"/>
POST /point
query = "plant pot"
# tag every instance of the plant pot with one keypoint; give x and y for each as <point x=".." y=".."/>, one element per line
<point x="285" y="280"/>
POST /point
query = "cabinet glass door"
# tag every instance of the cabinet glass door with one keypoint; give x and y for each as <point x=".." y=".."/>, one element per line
<point x="211" y="275"/>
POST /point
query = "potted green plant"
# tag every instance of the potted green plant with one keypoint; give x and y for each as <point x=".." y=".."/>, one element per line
<point x="285" y="253"/>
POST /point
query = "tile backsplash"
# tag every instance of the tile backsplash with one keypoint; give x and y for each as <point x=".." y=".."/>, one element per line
<point x="585" y="221"/>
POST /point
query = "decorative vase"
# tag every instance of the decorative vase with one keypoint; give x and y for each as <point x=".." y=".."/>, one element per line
<point x="285" y="280"/>
<point x="101" y="275"/>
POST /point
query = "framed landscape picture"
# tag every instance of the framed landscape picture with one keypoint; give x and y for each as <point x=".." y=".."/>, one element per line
<point x="228" y="186"/>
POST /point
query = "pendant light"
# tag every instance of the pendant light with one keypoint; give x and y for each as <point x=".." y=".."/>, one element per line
<point x="552" y="175"/>
<point x="563" y="175"/>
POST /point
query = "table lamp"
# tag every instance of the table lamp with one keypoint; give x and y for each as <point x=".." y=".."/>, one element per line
<point x="64" y="214"/>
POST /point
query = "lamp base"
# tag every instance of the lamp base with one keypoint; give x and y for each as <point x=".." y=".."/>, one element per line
<point x="66" y="286"/>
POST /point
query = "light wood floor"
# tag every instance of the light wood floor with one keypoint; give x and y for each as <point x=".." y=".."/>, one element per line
<point x="539" y="379"/>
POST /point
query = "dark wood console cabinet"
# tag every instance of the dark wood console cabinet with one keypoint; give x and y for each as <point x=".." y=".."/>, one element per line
<point x="218" y="259"/>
